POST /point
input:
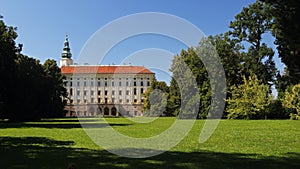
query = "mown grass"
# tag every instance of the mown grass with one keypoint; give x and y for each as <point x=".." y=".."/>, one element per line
<point x="54" y="143"/>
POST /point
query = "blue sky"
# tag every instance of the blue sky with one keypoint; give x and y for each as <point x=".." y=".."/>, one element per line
<point x="43" y="24"/>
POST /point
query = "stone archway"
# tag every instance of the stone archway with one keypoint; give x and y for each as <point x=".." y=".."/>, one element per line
<point x="99" y="111"/>
<point x="91" y="111"/>
<point x="113" y="111"/>
<point x="79" y="114"/>
<point x="106" y="111"/>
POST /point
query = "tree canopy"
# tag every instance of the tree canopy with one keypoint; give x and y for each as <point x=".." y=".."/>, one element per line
<point x="28" y="89"/>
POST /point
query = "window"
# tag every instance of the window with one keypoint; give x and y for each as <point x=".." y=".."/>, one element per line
<point x="84" y="83"/>
<point x="84" y="92"/>
<point x="92" y="100"/>
<point x="99" y="83"/>
<point x="92" y="92"/>
<point x="71" y="92"/>
<point x="99" y="100"/>
<point x="71" y="83"/>
<point x="105" y="83"/>
<point x="127" y="83"/>
<point x="134" y="91"/>
<point x="112" y="92"/>
<point x="112" y="83"/>
<point x="127" y="100"/>
<point x="135" y="100"/>
<point x="142" y="100"/>
<point x="99" y="92"/>
<point x="120" y="92"/>
<point x="78" y="100"/>
<point x="120" y="100"/>
<point x="142" y="83"/>
<point x="120" y="83"/>
<point x="84" y="100"/>
<point x="127" y="92"/>
<point x="105" y="100"/>
<point x="113" y="100"/>
<point x="78" y="83"/>
<point x="78" y="92"/>
<point x="148" y="83"/>
<point x="134" y="83"/>
<point x="142" y="90"/>
<point x="92" y="83"/>
<point x="71" y="101"/>
<point x="105" y="92"/>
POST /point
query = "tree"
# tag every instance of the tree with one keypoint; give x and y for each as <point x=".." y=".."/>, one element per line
<point x="156" y="96"/>
<point x="191" y="81"/>
<point x="8" y="55"/>
<point x="248" y="28"/>
<point x="28" y="90"/>
<point x="248" y="99"/>
<point x="286" y="31"/>
<point x="174" y="101"/>
<point x="292" y="100"/>
<point x="231" y="57"/>
<point x="54" y="90"/>
<point x="30" y="82"/>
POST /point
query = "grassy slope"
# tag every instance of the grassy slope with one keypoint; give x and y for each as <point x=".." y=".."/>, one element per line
<point x="235" y="144"/>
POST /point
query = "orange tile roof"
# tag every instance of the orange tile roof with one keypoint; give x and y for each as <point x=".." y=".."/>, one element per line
<point x="105" y="70"/>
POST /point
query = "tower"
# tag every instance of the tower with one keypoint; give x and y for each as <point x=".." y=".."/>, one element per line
<point x="66" y="54"/>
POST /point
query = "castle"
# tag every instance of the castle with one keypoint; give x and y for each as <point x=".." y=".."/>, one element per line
<point x="103" y="90"/>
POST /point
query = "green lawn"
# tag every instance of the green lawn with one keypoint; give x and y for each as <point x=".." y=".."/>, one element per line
<point x="246" y="144"/>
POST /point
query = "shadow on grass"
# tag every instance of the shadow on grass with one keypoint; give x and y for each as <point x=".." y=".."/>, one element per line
<point x="58" y="123"/>
<point x="44" y="153"/>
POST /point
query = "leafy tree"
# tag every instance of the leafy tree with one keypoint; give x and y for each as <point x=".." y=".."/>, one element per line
<point x="292" y="100"/>
<point x="276" y="111"/>
<point x="248" y="99"/>
<point x="174" y="101"/>
<point x="248" y="28"/>
<point x="156" y="96"/>
<point x="28" y="90"/>
<point x="30" y="80"/>
<point x="8" y="55"/>
<point x="286" y="31"/>
<point x="231" y="57"/>
<point x="54" y="89"/>
<point x="192" y="84"/>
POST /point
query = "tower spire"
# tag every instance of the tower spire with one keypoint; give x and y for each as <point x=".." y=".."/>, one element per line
<point x="66" y="53"/>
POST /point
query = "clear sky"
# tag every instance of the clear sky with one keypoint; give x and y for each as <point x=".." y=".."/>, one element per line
<point x="43" y="24"/>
